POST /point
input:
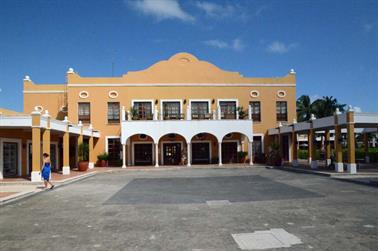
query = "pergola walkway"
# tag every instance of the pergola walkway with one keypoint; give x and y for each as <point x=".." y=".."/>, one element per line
<point x="349" y="120"/>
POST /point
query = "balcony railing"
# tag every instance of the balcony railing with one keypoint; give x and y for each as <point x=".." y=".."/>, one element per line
<point x="214" y="115"/>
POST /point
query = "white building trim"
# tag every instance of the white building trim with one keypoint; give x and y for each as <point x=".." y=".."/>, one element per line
<point x="230" y="100"/>
<point x="201" y="100"/>
<point x="144" y="100"/>
<point x="186" y="84"/>
<point x="186" y="128"/>
<point x="167" y="101"/>
<point x="106" y="141"/>
<point x="44" y="91"/>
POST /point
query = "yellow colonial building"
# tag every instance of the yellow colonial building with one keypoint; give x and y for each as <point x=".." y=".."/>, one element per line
<point x="180" y="111"/>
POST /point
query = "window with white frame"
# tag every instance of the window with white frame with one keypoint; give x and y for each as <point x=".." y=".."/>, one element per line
<point x="113" y="112"/>
<point x="228" y="109"/>
<point x="171" y="110"/>
<point x="142" y="110"/>
<point x="84" y="112"/>
<point x="200" y="110"/>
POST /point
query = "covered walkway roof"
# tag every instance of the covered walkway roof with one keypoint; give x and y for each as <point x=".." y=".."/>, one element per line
<point x="360" y="120"/>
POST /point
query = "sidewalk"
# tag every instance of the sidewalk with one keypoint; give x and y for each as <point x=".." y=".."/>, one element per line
<point x="12" y="189"/>
<point x="366" y="174"/>
<point x="18" y="188"/>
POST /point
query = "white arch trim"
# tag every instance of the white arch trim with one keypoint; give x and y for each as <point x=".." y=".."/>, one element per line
<point x="186" y="128"/>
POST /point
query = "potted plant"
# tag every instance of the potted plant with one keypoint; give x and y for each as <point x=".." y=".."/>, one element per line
<point x="242" y="156"/>
<point x="134" y="114"/>
<point x="274" y="156"/>
<point x="83" y="155"/>
<point x="242" y="113"/>
<point x="102" y="159"/>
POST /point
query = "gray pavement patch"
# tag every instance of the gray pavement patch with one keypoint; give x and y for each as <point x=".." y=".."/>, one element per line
<point x="273" y="238"/>
<point x="203" y="189"/>
<point x="217" y="203"/>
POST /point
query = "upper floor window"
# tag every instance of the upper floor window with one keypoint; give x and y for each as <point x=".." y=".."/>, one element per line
<point x="85" y="112"/>
<point x="281" y="110"/>
<point x="113" y="112"/>
<point x="228" y="109"/>
<point x="171" y="110"/>
<point x="200" y="110"/>
<point x="256" y="110"/>
<point x="142" y="110"/>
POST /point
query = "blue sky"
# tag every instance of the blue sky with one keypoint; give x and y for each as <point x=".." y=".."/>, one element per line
<point x="332" y="45"/>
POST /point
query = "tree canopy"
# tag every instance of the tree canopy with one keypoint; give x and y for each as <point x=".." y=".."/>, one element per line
<point x="322" y="107"/>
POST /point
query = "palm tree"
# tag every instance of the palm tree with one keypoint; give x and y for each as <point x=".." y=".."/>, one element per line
<point x="326" y="106"/>
<point x="303" y="108"/>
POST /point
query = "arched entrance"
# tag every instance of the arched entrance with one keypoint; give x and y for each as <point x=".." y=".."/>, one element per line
<point x="204" y="148"/>
<point x="173" y="149"/>
<point x="141" y="150"/>
<point x="235" y="148"/>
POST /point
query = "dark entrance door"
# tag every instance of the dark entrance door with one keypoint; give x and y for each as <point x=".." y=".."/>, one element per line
<point x="229" y="152"/>
<point x="285" y="147"/>
<point x="114" y="151"/>
<point x="143" y="154"/>
<point x="172" y="153"/>
<point x="201" y="153"/>
<point x="53" y="157"/>
<point x="10" y="156"/>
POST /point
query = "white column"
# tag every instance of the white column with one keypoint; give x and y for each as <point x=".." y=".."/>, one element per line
<point x="156" y="155"/>
<point x="123" y="114"/>
<point x="124" y="155"/>
<point x="219" y="112"/>
<point x="250" y="143"/>
<point x="128" y="152"/>
<point x="220" y="153"/>
<point x="155" y="113"/>
<point x="214" y="115"/>
<point x="249" y="112"/>
<point x="189" y="152"/>
<point x="188" y="113"/>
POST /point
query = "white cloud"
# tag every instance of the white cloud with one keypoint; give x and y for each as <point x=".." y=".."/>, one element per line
<point x="355" y="108"/>
<point x="314" y="97"/>
<point x="370" y="27"/>
<point x="216" y="10"/>
<point x="236" y="44"/>
<point x="216" y="43"/>
<point x="161" y="9"/>
<point x="280" y="47"/>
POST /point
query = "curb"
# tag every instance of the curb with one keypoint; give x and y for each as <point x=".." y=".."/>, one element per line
<point x="331" y="176"/>
<point x="350" y="180"/>
<point x="301" y="171"/>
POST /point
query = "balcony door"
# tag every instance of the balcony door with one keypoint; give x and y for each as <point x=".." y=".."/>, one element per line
<point x="200" y="109"/>
<point x="171" y="110"/>
<point x="228" y="109"/>
<point x="142" y="110"/>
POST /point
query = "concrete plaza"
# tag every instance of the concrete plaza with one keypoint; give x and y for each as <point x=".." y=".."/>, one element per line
<point x="192" y="209"/>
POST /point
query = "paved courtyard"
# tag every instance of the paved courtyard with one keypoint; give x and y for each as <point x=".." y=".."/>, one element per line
<point x="194" y="209"/>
